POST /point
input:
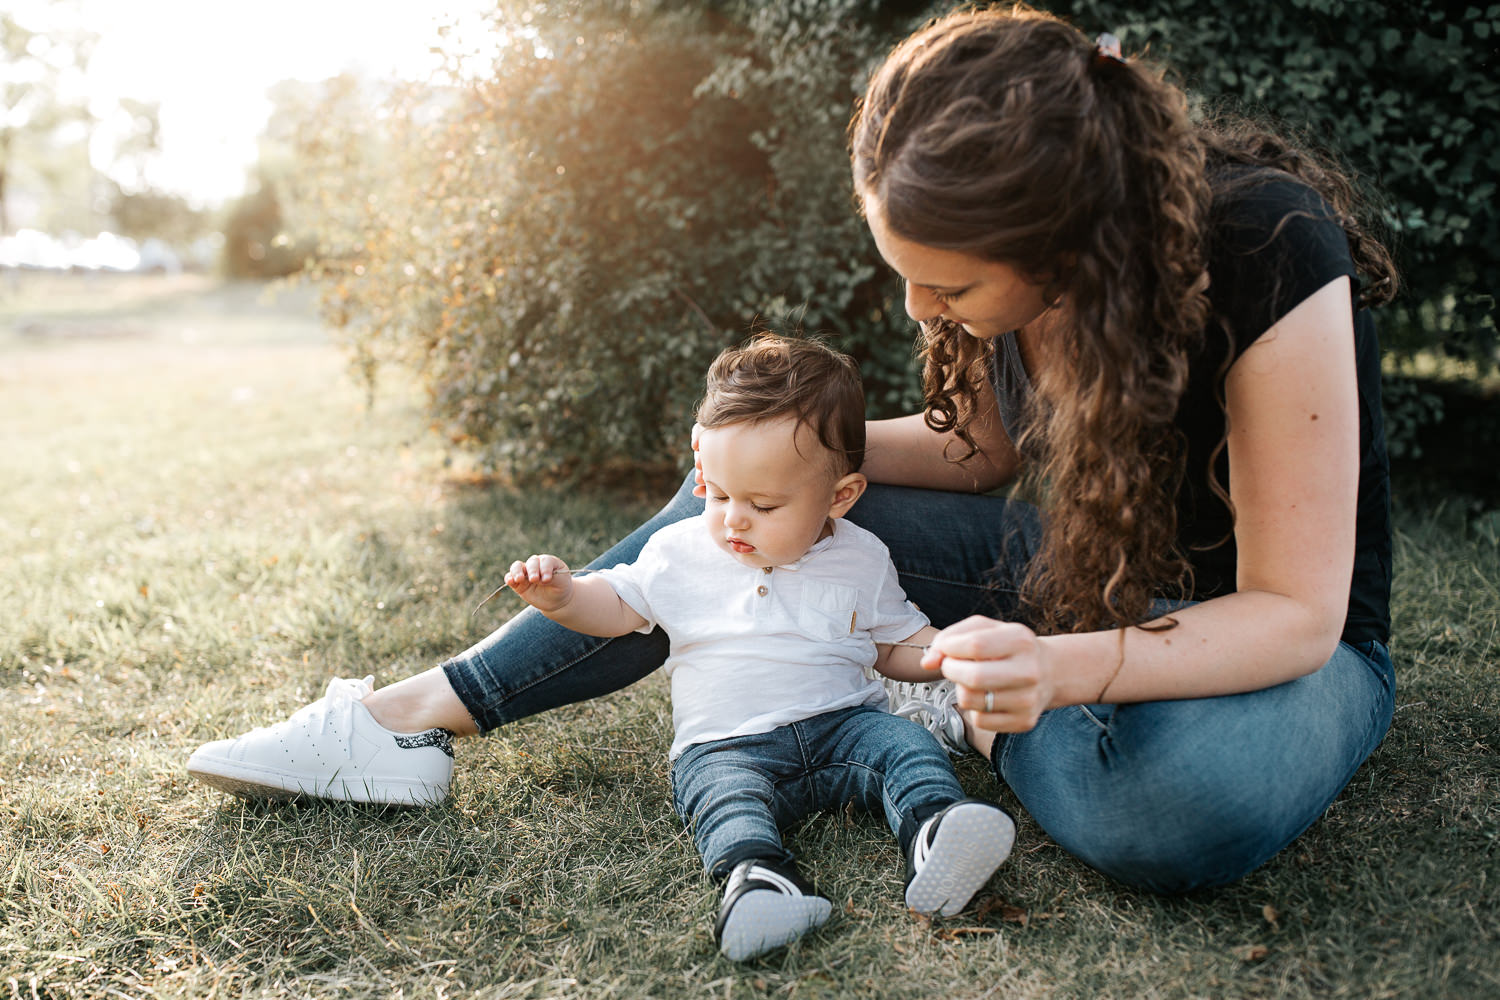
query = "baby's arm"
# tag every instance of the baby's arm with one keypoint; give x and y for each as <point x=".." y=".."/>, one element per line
<point x="589" y="605"/>
<point x="903" y="663"/>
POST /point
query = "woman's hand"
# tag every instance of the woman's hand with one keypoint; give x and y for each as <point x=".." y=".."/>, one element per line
<point x="543" y="581"/>
<point x="1003" y="671"/>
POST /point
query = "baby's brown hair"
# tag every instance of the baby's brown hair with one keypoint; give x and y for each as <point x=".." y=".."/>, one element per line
<point x="772" y="377"/>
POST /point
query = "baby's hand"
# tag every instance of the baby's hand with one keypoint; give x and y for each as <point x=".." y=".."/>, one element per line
<point x="699" y="490"/>
<point x="542" y="581"/>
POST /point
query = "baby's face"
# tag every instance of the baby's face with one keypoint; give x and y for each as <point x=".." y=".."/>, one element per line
<point x="770" y="488"/>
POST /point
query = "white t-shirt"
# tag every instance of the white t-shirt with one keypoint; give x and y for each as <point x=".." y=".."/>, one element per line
<point x="753" y="649"/>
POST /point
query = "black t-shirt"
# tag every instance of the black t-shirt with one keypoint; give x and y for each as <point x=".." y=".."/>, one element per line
<point x="1273" y="242"/>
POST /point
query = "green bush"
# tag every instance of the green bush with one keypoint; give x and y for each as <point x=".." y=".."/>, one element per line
<point x="562" y="246"/>
<point x="561" y="242"/>
<point x="256" y="244"/>
<point x="1406" y="94"/>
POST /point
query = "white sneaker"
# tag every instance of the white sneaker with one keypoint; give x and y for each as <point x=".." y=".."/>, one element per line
<point x="954" y="854"/>
<point x="331" y="749"/>
<point x="766" y="905"/>
<point x="933" y="706"/>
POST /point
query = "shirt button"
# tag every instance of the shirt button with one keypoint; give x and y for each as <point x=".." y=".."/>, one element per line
<point x="762" y="590"/>
<point x="765" y="569"/>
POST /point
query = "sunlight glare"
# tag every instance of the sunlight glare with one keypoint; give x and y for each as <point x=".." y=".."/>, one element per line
<point x="209" y="66"/>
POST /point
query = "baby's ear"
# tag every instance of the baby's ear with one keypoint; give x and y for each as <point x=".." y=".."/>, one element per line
<point x="847" y="490"/>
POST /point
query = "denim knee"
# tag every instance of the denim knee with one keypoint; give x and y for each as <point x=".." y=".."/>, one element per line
<point x="1138" y="815"/>
<point x="1182" y="795"/>
<point x="1186" y="834"/>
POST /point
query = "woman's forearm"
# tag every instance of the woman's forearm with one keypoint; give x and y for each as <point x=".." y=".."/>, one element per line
<point x="904" y="451"/>
<point x="1227" y="645"/>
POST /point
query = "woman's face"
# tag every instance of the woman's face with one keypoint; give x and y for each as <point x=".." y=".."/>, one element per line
<point x="986" y="298"/>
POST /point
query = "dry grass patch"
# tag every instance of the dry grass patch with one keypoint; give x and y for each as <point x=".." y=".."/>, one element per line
<point x="200" y="530"/>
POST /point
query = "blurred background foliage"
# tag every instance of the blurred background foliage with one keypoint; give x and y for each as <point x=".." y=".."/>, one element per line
<point x="53" y="187"/>
<point x="560" y="236"/>
<point x="562" y="242"/>
<point x="43" y="137"/>
<point x="559" y="231"/>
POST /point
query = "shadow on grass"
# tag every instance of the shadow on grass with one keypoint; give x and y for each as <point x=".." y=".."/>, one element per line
<point x="560" y="848"/>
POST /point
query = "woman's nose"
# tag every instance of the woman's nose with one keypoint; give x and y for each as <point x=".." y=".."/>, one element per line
<point x="921" y="304"/>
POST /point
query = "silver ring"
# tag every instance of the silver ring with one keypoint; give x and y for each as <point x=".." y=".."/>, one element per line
<point x="989" y="701"/>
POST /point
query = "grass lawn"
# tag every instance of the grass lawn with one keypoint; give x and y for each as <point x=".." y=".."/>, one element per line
<point x="202" y="522"/>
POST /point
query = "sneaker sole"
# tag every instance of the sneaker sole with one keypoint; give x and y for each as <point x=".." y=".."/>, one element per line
<point x="765" y="920"/>
<point x="972" y="841"/>
<point x="255" y="783"/>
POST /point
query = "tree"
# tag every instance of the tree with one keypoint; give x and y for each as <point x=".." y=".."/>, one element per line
<point x="151" y="213"/>
<point x="256" y="242"/>
<point x="34" y="116"/>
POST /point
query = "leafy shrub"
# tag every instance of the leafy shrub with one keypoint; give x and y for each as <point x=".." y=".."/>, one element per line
<point x="1444" y="438"/>
<point x="562" y="245"/>
<point x="256" y="244"/>
<point x="1406" y="93"/>
<point x="560" y="242"/>
<point x="1410" y="408"/>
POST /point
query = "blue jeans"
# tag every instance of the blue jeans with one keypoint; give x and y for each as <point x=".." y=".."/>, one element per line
<point x="735" y="794"/>
<point x="1169" y="796"/>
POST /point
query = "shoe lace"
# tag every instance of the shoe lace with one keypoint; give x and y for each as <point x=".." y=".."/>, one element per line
<point x="931" y="705"/>
<point x="335" y="710"/>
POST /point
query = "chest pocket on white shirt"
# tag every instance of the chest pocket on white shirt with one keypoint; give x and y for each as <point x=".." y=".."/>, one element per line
<point x="827" y="610"/>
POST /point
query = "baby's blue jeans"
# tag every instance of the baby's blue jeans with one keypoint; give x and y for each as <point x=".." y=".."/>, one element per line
<point x="1169" y="796"/>
<point x="736" y="793"/>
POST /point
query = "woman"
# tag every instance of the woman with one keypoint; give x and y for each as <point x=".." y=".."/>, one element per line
<point x="1179" y="665"/>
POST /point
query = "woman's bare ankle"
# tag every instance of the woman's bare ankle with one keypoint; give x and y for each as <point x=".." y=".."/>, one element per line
<point x="415" y="704"/>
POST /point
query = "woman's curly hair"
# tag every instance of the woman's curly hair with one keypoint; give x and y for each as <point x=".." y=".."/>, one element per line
<point x="1005" y="134"/>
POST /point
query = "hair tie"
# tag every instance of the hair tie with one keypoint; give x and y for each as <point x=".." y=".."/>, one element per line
<point x="1107" y="50"/>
